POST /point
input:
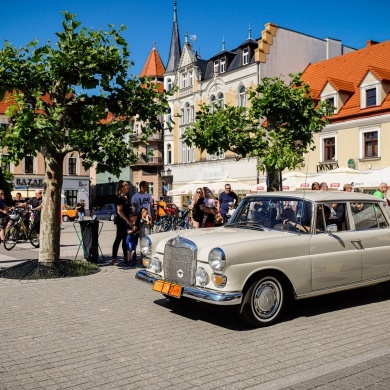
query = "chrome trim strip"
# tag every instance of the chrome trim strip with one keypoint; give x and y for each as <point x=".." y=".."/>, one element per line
<point x="197" y="294"/>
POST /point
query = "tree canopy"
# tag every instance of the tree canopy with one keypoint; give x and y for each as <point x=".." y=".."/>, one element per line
<point x="277" y="129"/>
<point x="60" y="97"/>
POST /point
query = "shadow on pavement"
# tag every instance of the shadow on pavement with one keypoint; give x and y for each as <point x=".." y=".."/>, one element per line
<point x="226" y="317"/>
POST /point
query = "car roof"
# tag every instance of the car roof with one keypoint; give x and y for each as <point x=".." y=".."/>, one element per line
<point x="321" y="196"/>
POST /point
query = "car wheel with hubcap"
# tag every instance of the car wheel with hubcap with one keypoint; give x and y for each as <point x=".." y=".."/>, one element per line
<point x="65" y="218"/>
<point x="263" y="303"/>
<point x="94" y="217"/>
<point x="112" y="217"/>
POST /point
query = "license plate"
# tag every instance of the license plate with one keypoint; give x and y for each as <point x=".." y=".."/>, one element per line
<point x="172" y="289"/>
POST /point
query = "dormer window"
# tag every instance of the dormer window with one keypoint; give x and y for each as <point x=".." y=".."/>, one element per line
<point x="245" y="56"/>
<point x="216" y="66"/>
<point x="223" y="65"/>
<point x="371" y="97"/>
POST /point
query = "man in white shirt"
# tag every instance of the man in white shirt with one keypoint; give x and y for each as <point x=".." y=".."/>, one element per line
<point x="143" y="199"/>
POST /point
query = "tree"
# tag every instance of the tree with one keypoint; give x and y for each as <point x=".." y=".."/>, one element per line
<point x="277" y="129"/>
<point x="60" y="100"/>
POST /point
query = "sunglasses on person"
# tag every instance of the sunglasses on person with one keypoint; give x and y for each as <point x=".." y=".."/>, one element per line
<point x="228" y="188"/>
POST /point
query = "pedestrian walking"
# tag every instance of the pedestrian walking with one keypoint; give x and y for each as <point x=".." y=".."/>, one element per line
<point x="80" y="209"/>
<point x="123" y="209"/>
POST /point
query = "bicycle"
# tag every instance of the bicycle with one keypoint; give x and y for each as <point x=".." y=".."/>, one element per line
<point x="16" y="229"/>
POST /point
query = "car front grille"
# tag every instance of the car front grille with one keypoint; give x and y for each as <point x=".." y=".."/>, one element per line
<point x="180" y="261"/>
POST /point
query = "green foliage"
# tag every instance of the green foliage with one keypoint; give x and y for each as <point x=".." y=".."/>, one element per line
<point x="62" y="95"/>
<point x="277" y="129"/>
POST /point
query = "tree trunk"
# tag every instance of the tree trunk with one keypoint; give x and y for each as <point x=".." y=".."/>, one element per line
<point x="50" y="232"/>
<point x="274" y="180"/>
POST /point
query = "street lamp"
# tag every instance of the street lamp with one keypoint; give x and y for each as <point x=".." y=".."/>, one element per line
<point x="27" y="190"/>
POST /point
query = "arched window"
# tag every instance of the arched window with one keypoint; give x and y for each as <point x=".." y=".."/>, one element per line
<point x="188" y="113"/>
<point x="242" y="97"/>
<point x="221" y="100"/>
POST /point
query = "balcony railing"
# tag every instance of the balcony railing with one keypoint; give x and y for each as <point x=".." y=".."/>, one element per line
<point x="152" y="137"/>
<point x="149" y="161"/>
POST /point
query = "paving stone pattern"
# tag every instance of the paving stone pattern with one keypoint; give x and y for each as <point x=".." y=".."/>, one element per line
<point x="109" y="331"/>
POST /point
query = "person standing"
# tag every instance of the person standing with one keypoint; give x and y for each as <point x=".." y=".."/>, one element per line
<point x="324" y="186"/>
<point x="208" y="212"/>
<point x="131" y="239"/>
<point x="143" y="199"/>
<point x="123" y="209"/>
<point x="36" y="205"/>
<point x="381" y="191"/>
<point x="196" y="212"/>
<point x="80" y="209"/>
<point x="3" y="214"/>
<point x="226" y="197"/>
<point x="145" y="223"/>
<point x="315" y="186"/>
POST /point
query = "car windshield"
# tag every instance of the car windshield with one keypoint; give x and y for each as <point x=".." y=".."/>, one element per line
<point x="271" y="213"/>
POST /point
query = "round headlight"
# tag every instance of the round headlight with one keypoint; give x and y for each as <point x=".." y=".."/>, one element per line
<point x="155" y="264"/>
<point x="217" y="259"/>
<point x="146" y="246"/>
<point x="201" y="276"/>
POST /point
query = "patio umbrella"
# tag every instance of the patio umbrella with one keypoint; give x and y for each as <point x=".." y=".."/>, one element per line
<point x="374" y="178"/>
<point x="336" y="178"/>
<point x="188" y="188"/>
<point x="291" y="181"/>
<point x="237" y="186"/>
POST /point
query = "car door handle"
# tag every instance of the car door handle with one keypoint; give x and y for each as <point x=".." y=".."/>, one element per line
<point x="358" y="242"/>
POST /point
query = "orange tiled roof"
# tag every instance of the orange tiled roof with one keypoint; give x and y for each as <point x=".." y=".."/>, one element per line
<point x="346" y="72"/>
<point x="153" y="65"/>
<point x="8" y="101"/>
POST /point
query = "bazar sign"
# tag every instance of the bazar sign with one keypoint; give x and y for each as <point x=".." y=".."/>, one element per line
<point x="33" y="183"/>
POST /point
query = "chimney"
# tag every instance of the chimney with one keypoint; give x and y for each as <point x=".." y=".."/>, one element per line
<point x="371" y="43"/>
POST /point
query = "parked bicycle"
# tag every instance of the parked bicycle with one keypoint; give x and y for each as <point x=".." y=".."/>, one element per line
<point x="20" y="227"/>
<point x="173" y="222"/>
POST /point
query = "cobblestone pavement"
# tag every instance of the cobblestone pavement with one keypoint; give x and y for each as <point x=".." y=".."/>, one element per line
<point x="109" y="331"/>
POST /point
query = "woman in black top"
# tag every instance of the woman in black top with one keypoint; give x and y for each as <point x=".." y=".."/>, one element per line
<point x="123" y="208"/>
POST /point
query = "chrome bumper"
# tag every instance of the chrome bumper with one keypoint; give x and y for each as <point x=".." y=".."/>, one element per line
<point x="195" y="292"/>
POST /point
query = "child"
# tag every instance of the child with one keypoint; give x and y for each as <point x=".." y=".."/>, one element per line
<point x="209" y="202"/>
<point x="131" y="239"/>
<point x="145" y="222"/>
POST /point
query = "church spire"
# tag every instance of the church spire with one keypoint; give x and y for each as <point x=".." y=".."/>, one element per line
<point x="175" y="49"/>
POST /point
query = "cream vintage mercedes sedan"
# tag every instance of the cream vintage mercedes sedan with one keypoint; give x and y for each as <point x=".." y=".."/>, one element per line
<point x="276" y="246"/>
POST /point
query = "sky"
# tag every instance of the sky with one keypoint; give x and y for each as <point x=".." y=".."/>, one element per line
<point x="150" y="22"/>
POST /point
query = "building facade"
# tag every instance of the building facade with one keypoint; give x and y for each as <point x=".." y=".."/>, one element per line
<point x="226" y="78"/>
<point x="357" y="86"/>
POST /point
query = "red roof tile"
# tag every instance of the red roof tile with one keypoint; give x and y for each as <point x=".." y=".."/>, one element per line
<point x="349" y="70"/>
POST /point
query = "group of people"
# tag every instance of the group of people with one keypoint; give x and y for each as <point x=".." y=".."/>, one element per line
<point x="207" y="211"/>
<point x="134" y="220"/>
<point x="34" y="204"/>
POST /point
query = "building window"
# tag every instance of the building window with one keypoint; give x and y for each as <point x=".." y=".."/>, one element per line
<point x="72" y="162"/>
<point x="371" y="97"/>
<point x="149" y="154"/>
<point x="242" y="97"/>
<point x="169" y="154"/>
<point x="182" y="116"/>
<point x="370" y="144"/>
<point x="169" y="84"/>
<point x="29" y="164"/>
<point x="223" y="65"/>
<point x="329" y="145"/>
<point x="184" y="84"/>
<point x="216" y="66"/>
<point x="71" y="197"/>
<point x="168" y="122"/>
<point x="188" y="113"/>
<point x="221" y="100"/>
<point x="245" y="56"/>
<point x="191" y="79"/>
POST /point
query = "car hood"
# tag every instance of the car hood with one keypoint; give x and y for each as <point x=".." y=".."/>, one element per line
<point x="229" y="239"/>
